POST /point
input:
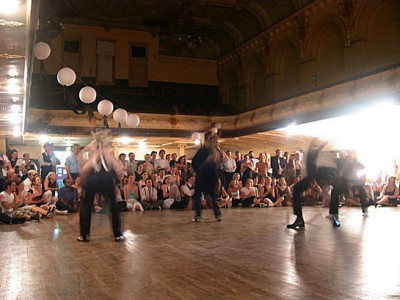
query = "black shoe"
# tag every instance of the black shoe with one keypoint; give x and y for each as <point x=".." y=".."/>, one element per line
<point x="18" y="220"/>
<point x="120" y="238"/>
<point x="298" y="223"/>
<point x="82" y="239"/>
<point x="219" y="219"/>
<point x="196" y="218"/>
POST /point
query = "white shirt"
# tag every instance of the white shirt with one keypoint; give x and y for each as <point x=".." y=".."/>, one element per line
<point x="187" y="191"/>
<point x="162" y="163"/>
<point x="6" y="199"/>
<point x="229" y="165"/>
<point x="148" y="195"/>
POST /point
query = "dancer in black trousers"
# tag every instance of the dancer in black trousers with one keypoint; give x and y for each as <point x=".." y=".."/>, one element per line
<point x="99" y="175"/>
<point x="208" y="167"/>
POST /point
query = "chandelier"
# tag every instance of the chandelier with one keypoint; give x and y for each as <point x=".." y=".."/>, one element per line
<point x="189" y="41"/>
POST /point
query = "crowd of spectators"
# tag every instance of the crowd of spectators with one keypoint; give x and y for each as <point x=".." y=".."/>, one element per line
<point x="164" y="181"/>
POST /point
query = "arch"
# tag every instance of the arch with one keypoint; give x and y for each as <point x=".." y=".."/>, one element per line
<point x="382" y="22"/>
<point x="286" y="63"/>
<point x="231" y="89"/>
<point x="327" y="45"/>
<point x="255" y="79"/>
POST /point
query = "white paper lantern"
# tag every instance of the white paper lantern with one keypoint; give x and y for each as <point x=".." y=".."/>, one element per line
<point x="66" y="76"/>
<point x="120" y="115"/>
<point x="105" y="107"/>
<point x="133" y="120"/>
<point x="196" y="136"/>
<point x="87" y="95"/>
<point x="41" y="50"/>
<point x="214" y="131"/>
<point x="218" y="126"/>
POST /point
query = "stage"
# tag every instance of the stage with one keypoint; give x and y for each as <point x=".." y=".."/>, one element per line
<point x="249" y="255"/>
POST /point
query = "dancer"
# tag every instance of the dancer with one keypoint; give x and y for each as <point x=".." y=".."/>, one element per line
<point x="300" y="187"/>
<point x="98" y="177"/>
<point x="208" y="168"/>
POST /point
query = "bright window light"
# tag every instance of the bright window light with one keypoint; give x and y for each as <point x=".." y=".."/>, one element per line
<point x="370" y="133"/>
<point x="43" y="139"/>
<point x="124" y="140"/>
<point x="9" y="6"/>
<point x="142" y="145"/>
<point x="15" y="108"/>
<point x="13" y="88"/>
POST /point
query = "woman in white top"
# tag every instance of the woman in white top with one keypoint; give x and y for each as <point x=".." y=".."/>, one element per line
<point x="249" y="194"/>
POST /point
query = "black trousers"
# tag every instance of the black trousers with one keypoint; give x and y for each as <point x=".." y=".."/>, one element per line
<point x="197" y="206"/>
<point x="298" y="189"/>
<point x="5" y="219"/>
<point x="99" y="183"/>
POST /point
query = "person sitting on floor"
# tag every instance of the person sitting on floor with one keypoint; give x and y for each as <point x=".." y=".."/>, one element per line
<point x="283" y="196"/>
<point x="8" y="205"/>
<point x="148" y="196"/>
<point x="223" y="198"/>
<point x="234" y="190"/>
<point x="249" y="194"/>
<point x="187" y="191"/>
<point x="131" y="195"/>
<point x="389" y="193"/>
<point x="67" y="197"/>
<point x="266" y="191"/>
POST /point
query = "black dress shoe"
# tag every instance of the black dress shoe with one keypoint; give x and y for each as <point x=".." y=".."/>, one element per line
<point x="196" y="218"/>
<point x="83" y="239"/>
<point x="299" y="223"/>
<point x="219" y="218"/>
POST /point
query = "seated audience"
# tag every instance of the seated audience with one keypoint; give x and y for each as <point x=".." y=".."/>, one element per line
<point x="67" y="197"/>
<point x="148" y="196"/>
<point x="283" y="195"/>
<point x="249" y="195"/>
<point x="389" y="193"/>
<point x="266" y="191"/>
<point x="131" y="195"/>
<point x="223" y="198"/>
<point x="187" y="192"/>
<point x="9" y="212"/>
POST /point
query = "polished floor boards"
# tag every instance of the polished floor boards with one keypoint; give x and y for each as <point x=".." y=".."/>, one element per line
<point x="249" y="255"/>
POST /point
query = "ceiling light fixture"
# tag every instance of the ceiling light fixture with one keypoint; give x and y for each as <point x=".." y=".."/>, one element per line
<point x="189" y="41"/>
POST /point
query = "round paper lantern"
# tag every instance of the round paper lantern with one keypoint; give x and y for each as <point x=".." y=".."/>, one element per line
<point x="133" y="120"/>
<point x="196" y="136"/>
<point x="87" y="95"/>
<point x="214" y="130"/>
<point x="120" y="115"/>
<point x="66" y="76"/>
<point x="41" y="50"/>
<point x="105" y="107"/>
<point x="218" y="126"/>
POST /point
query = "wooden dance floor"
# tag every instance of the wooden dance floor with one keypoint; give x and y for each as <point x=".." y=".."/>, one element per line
<point x="249" y="255"/>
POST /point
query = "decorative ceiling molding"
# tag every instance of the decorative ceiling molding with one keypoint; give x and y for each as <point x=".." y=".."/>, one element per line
<point x="329" y="102"/>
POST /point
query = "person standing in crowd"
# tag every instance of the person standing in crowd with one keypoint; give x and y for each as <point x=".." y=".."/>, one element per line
<point x="153" y="155"/>
<point x="229" y="166"/>
<point x="161" y="162"/>
<point x="278" y="164"/>
<point x="27" y="164"/>
<point x="238" y="160"/>
<point x="132" y="164"/>
<point x="173" y="161"/>
<point x="47" y="161"/>
<point x="72" y="163"/>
